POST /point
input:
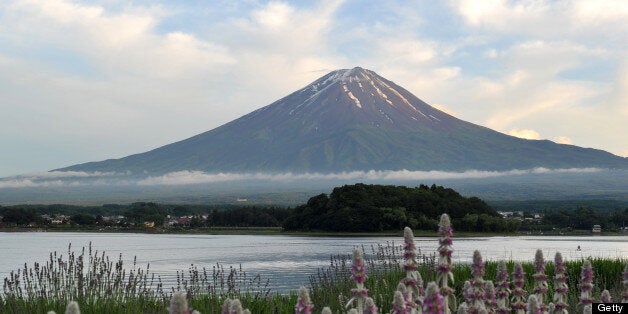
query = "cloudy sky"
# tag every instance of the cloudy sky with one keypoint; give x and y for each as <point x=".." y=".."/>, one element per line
<point x="90" y="80"/>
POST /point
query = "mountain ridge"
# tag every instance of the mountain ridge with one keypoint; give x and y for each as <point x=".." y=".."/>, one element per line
<point x="353" y="119"/>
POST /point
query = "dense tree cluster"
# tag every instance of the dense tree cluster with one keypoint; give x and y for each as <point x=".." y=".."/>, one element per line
<point x="364" y="208"/>
<point x="585" y="217"/>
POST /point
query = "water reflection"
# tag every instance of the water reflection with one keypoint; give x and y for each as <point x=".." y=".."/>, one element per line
<point x="286" y="260"/>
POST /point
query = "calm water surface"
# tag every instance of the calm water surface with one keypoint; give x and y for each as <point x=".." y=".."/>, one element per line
<point x="286" y="260"/>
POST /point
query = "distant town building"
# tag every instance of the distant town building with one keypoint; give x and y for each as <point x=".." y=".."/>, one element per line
<point x="597" y="229"/>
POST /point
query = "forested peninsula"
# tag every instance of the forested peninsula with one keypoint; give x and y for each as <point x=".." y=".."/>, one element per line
<point x="376" y="208"/>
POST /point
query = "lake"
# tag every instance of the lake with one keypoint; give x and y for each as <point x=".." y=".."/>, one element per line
<point x="286" y="261"/>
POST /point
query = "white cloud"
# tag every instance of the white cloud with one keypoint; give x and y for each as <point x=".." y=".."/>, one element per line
<point x="545" y="19"/>
<point x="525" y="133"/>
<point x="275" y="16"/>
<point x="27" y="183"/>
<point x="77" y="179"/>
<point x="198" y="177"/>
<point x="563" y="140"/>
<point x="594" y="12"/>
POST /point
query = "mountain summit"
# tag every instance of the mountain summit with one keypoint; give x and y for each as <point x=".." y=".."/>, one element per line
<point x="347" y="120"/>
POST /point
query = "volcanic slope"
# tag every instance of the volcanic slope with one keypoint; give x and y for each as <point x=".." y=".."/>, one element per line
<point x="348" y="120"/>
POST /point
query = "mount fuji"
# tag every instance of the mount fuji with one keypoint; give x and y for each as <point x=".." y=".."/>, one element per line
<point x="350" y="120"/>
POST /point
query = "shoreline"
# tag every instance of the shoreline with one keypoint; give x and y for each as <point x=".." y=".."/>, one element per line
<point x="279" y="231"/>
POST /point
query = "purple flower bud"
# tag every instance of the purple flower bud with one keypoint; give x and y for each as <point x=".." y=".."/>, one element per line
<point x="370" y="307"/>
<point x="433" y="302"/>
<point x="605" y="297"/>
<point x="533" y="306"/>
<point x="477" y="268"/>
<point x="518" y="292"/>
<point x="409" y="250"/>
<point x="357" y="269"/>
<point x="304" y="304"/>
<point x="586" y="283"/>
<point x="490" y="297"/>
<point x="560" y="284"/>
<point x="399" y="303"/>
<point x="445" y="266"/>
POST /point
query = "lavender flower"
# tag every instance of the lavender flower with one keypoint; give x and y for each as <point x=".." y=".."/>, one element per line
<point x="412" y="281"/>
<point x="490" y="299"/>
<point x="476" y="294"/>
<point x="358" y="270"/>
<point x="358" y="274"/>
<point x="304" y="304"/>
<point x="407" y="296"/>
<point x="467" y="293"/>
<point x="540" y="279"/>
<point x="503" y="288"/>
<point x="624" y="292"/>
<point x="586" y="284"/>
<point x="434" y="301"/>
<point x="178" y="304"/>
<point x="533" y="306"/>
<point x="444" y="272"/>
<point x="605" y="297"/>
<point x="399" y="303"/>
<point x="560" y="285"/>
<point x="370" y="307"/>
<point x="409" y="254"/>
<point x="518" y="293"/>
<point x="72" y="308"/>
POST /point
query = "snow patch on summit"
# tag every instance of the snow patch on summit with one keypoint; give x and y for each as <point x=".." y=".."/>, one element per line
<point x="403" y="99"/>
<point x="355" y="99"/>
<point x="350" y="94"/>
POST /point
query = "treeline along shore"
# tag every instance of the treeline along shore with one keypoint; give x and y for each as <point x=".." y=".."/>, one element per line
<point x="358" y="208"/>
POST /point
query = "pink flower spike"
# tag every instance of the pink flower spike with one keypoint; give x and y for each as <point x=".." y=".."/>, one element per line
<point x="358" y="269"/>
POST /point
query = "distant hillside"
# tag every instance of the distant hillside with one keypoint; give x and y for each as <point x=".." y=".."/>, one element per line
<point x="368" y="208"/>
<point x="352" y="120"/>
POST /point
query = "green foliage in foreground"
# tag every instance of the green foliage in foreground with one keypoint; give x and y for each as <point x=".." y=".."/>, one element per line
<point x="331" y="287"/>
<point x="103" y="285"/>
